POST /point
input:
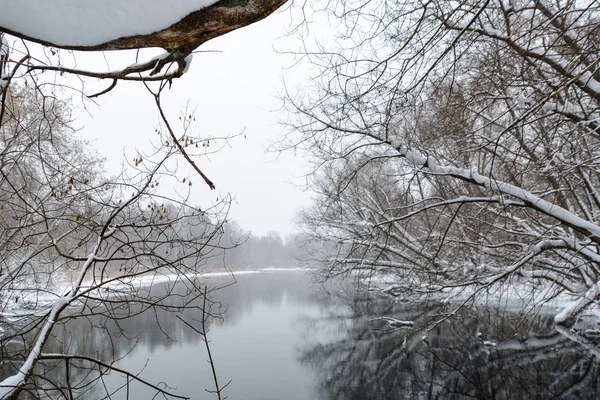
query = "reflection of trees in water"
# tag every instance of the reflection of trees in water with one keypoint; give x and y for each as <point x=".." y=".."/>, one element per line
<point x="123" y="328"/>
<point x="271" y="289"/>
<point x="478" y="354"/>
<point x="96" y="337"/>
<point x="106" y="331"/>
<point x="230" y="302"/>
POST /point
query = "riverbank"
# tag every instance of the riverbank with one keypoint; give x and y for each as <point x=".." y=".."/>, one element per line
<point x="23" y="302"/>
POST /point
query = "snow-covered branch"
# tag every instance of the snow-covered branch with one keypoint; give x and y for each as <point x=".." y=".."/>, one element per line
<point x="565" y="217"/>
<point x="12" y="386"/>
<point x="131" y="25"/>
<point x="461" y="147"/>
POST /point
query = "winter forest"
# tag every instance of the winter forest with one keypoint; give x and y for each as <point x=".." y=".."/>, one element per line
<point x="451" y="155"/>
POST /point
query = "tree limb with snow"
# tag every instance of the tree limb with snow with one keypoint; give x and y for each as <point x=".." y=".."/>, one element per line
<point x="179" y="27"/>
<point x="456" y="145"/>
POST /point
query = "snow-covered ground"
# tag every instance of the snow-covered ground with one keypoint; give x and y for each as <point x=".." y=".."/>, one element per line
<point x="510" y="296"/>
<point x="18" y="303"/>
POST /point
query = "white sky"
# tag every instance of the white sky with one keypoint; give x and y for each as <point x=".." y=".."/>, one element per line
<point x="234" y="90"/>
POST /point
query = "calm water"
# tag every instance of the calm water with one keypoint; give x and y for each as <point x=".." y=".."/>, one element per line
<point x="282" y="338"/>
<point x="256" y="345"/>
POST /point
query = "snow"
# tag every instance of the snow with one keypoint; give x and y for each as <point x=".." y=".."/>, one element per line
<point x="395" y="323"/>
<point x="152" y="279"/>
<point x="155" y="279"/>
<point x="4" y="49"/>
<point x="572" y="308"/>
<point x="550" y="57"/>
<point x="274" y="269"/>
<point x="4" y="53"/>
<point x="93" y="22"/>
<point x="7" y="385"/>
<point x="509" y="296"/>
<point x="188" y="62"/>
<point x="149" y="280"/>
<point x="155" y="59"/>
<point x="38" y="302"/>
<point x="561" y="214"/>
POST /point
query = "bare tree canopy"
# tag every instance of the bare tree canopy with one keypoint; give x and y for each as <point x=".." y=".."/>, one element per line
<point x="76" y="243"/>
<point x="458" y="144"/>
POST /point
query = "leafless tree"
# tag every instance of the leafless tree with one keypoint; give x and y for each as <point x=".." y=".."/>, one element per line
<point x="485" y="114"/>
<point x="78" y="244"/>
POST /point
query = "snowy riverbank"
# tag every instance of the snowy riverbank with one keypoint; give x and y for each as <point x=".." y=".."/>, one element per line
<point x="22" y="302"/>
<point x="513" y="297"/>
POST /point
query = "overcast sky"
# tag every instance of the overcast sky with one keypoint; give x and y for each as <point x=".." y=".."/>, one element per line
<point x="233" y="90"/>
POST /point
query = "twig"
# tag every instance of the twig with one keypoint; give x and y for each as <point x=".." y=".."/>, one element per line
<point x="68" y="357"/>
<point x="203" y="333"/>
<point x="179" y="146"/>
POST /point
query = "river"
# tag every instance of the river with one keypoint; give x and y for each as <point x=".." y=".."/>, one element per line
<point x="276" y="335"/>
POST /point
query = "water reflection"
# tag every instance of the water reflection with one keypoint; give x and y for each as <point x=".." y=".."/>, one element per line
<point x="281" y="338"/>
<point x="478" y="354"/>
<point x="148" y="342"/>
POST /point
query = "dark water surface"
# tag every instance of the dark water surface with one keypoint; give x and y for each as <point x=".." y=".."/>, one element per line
<point x="282" y="338"/>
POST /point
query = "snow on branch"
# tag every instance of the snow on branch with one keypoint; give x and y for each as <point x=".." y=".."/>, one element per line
<point x="458" y="200"/>
<point x="576" y="306"/>
<point x="555" y="211"/>
<point x="178" y="26"/>
<point x="395" y="323"/>
<point x="11" y="386"/>
<point x="91" y="22"/>
<point x="128" y="24"/>
<point x="154" y="66"/>
<point x="582" y="76"/>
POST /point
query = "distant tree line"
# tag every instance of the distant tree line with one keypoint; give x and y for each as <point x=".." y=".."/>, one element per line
<point x="242" y="250"/>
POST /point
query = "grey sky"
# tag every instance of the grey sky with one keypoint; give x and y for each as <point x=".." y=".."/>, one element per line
<point x="233" y="90"/>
